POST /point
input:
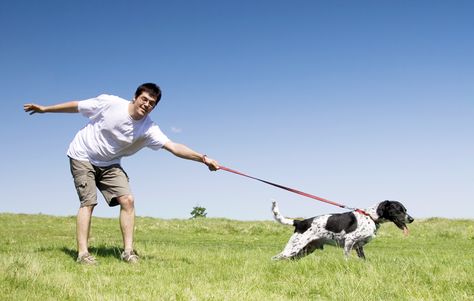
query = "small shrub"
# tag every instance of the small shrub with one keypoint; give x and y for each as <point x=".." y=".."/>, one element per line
<point x="198" y="212"/>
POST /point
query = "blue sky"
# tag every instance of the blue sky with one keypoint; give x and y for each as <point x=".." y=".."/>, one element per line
<point x="353" y="101"/>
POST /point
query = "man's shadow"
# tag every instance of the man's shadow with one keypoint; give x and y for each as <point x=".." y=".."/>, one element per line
<point x="100" y="251"/>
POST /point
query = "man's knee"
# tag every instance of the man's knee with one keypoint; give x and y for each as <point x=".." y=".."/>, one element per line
<point x="127" y="202"/>
<point x="86" y="209"/>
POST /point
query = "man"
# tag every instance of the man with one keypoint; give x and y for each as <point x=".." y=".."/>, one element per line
<point x="116" y="128"/>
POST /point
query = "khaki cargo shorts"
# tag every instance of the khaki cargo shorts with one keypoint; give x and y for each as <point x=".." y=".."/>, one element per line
<point x="112" y="182"/>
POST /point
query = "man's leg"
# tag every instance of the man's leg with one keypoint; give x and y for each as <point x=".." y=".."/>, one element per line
<point x="83" y="226"/>
<point x="113" y="183"/>
<point x="84" y="181"/>
<point x="127" y="220"/>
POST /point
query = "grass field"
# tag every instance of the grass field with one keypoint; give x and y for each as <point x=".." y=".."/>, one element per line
<point x="219" y="259"/>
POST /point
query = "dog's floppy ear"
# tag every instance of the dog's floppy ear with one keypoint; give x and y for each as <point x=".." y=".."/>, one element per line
<point x="383" y="208"/>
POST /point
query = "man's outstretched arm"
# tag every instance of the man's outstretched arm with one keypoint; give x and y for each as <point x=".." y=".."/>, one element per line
<point x="66" y="107"/>
<point x="182" y="151"/>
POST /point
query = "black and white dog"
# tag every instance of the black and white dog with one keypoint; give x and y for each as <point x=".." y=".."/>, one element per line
<point x="349" y="230"/>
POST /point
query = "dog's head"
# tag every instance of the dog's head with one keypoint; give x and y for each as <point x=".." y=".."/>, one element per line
<point x="395" y="212"/>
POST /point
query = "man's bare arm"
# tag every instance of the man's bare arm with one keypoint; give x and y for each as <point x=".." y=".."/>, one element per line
<point x="66" y="107"/>
<point x="182" y="151"/>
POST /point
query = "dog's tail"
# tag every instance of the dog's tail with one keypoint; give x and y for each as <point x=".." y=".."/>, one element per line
<point x="278" y="217"/>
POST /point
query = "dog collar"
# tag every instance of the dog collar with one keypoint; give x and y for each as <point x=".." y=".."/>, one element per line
<point x="365" y="213"/>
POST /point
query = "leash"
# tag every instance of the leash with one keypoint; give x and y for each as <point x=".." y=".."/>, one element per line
<point x="295" y="191"/>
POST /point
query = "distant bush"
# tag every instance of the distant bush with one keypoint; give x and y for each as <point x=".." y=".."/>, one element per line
<point x="198" y="212"/>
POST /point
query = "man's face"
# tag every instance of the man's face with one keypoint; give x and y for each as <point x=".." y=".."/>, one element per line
<point x="142" y="105"/>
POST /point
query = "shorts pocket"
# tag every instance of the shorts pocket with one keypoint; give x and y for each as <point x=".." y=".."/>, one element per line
<point x="80" y="182"/>
<point x="86" y="190"/>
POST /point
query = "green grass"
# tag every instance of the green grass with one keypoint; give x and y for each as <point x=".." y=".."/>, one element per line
<point x="219" y="259"/>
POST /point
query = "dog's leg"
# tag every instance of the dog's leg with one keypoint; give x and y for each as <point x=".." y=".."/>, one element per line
<point x="295" y="246"/>
<point x="360" y="252"/>
<point x="348" y="245"/>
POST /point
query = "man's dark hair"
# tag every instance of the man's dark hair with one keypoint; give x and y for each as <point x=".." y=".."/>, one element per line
<point x="151" y="88"/>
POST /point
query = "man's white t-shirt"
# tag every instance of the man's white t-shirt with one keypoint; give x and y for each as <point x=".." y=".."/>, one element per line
<point x="112" y="133"/>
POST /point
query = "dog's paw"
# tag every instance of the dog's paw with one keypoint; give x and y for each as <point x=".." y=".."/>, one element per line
<point x="277" y="257"/>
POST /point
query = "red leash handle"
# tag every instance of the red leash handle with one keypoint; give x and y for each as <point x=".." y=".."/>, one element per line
<point x="287" y="188"/>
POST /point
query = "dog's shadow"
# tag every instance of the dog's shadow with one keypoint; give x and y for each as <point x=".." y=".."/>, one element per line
<point x="101" y="251"/>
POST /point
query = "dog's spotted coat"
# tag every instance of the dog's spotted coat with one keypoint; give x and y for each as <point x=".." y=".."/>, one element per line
<point x="351" y="230"/>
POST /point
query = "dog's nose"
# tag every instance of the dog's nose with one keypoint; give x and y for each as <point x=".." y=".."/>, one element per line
<point x="410" y="219"/>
